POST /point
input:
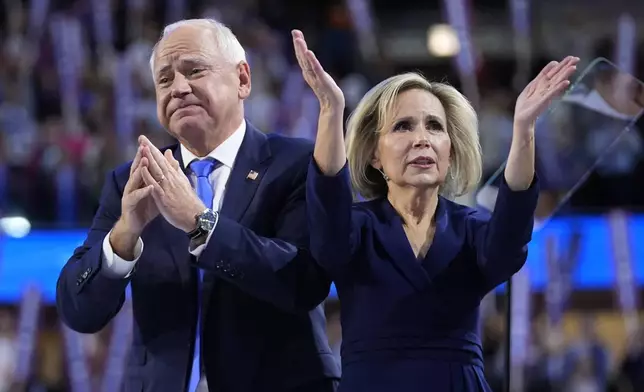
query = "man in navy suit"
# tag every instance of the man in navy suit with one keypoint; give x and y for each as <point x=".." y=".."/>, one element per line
<point x="211" y="235"/>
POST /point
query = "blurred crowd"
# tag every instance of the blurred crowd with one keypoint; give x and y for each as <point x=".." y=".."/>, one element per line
<point x="56" y="146"/>
<point x="583" y="363"/>
<point x="76" y="90"/>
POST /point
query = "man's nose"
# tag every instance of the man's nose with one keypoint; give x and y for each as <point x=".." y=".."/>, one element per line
<point x="180" y="87"/>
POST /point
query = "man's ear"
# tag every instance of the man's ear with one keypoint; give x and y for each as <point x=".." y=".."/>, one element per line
<point x="243" y="71"/>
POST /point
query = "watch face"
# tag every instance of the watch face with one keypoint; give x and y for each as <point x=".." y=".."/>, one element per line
<point x="207" y="220"/>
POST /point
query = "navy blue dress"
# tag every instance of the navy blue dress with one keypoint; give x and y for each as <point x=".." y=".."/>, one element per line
<point x="409" y="324"/>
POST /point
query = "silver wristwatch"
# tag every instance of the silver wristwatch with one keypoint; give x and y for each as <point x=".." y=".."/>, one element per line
<point x="205" y="224"/>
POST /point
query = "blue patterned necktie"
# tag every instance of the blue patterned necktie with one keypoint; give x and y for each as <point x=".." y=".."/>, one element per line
<point x="202" y="169"/>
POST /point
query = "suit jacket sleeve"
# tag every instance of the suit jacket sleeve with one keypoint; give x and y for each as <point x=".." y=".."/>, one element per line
<point x="502" y="241"/>
<point x="329" y="204"/>
<point x="279" y="270"/>
<point x="87" y="299"/>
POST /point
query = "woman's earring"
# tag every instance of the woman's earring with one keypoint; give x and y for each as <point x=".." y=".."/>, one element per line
<point x="386" y="177"/>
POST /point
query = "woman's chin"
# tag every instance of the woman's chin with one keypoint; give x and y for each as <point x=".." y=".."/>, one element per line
<point x="425" y="180"/>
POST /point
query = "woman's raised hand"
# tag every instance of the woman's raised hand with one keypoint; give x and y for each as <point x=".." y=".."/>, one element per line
<point x="551" y="83"/>
<point x="322" y="84"/>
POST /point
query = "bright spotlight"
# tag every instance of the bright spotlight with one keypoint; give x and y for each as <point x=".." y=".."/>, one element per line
<point x="15" y="226"/>
<point x="442" y="41"/>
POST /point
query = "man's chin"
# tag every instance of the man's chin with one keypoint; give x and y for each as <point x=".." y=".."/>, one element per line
<point x="187" y="126"/>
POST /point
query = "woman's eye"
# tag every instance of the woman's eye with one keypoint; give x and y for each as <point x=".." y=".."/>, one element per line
<point x="434" y="126"/>
<point x="402" y="126"/>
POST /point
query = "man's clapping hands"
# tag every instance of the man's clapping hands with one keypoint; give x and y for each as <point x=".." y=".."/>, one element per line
<point x="156" y="185"/>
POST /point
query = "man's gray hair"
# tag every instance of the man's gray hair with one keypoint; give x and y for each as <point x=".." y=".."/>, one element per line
<point x="224" y="39"/>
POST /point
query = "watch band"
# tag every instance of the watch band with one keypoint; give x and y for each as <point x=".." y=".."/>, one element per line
<point x="196" y="233"/>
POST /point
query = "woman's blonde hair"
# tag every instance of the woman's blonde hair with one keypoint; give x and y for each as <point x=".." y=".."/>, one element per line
<point x="372" y="115"/>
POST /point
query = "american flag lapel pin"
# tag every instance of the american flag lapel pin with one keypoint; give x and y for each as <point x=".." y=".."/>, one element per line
<point x="252" y="175"/>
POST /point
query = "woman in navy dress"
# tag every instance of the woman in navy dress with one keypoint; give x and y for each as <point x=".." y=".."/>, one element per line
<point x="410" y="265"/>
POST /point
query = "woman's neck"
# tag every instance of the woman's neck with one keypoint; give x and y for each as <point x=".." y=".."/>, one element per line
<point x="415" y="206"/>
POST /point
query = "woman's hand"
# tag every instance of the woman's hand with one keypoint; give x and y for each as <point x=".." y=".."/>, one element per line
<point x="329" y="94"/>
<point x="329" y="152"/>
<point x="551" y="82"/>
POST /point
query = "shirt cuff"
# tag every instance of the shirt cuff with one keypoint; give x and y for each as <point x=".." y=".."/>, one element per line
<point x="197" y="247"/>
<point x="115" y="266"/>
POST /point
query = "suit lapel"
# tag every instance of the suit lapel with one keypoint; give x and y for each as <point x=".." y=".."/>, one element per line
<point x="176" y="239"/>
<point x="248" y="171"/>
<point x="178" y="243"/>
<point x="393" y="239"/>
<point x="446" y="244"/>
